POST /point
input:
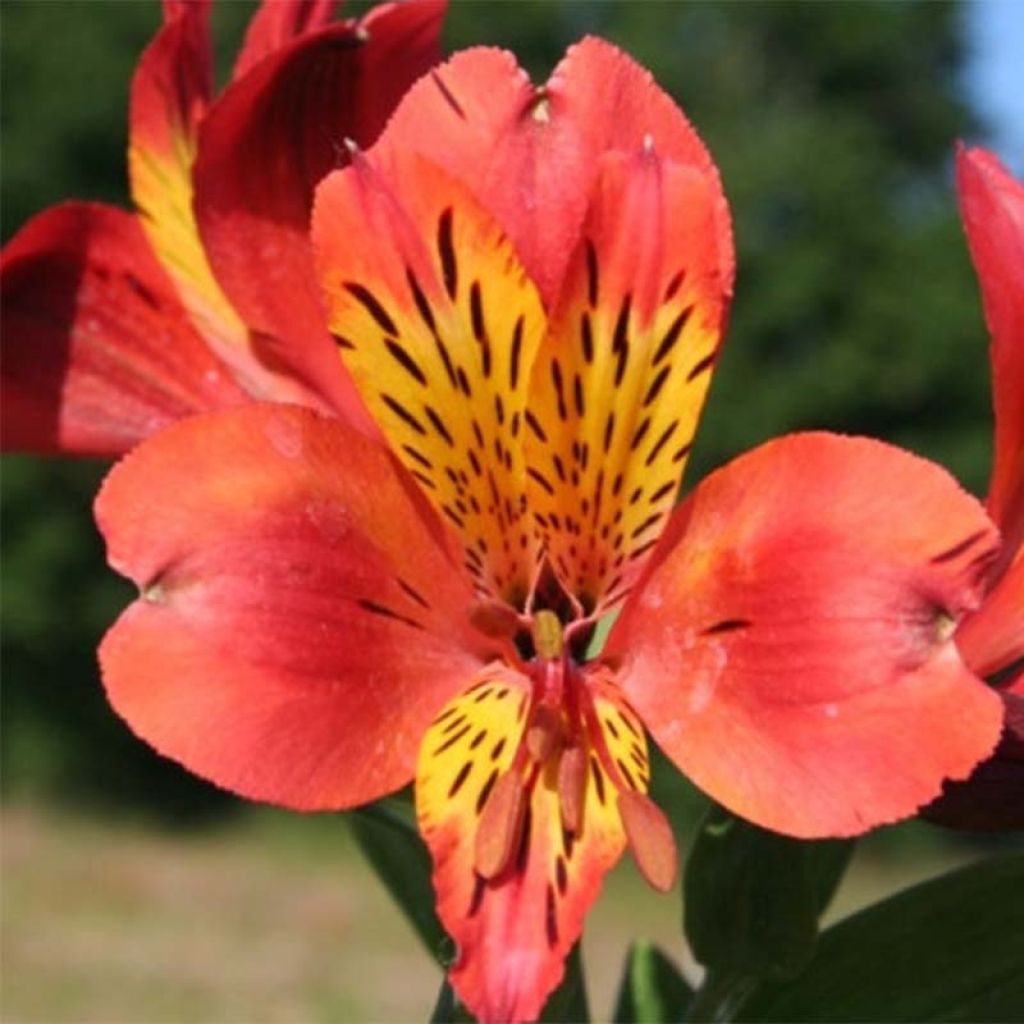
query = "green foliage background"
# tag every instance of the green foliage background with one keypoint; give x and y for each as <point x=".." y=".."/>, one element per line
<point x="856" y="308"/>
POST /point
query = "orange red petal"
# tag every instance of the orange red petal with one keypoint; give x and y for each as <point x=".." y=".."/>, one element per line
<point x="297" y="626"/>
<point x="478" y="116"/>
<point x="438" y="325"/>
<point x="791" y="648"/>
<point x="992" y="205"/>
<point x="277" y="23"/>
<point x="98" y="352"/>
<point x="513" y="879"/>
<point x="171" y="91"/>
<point x="289" y="117"/>
<point x="621" y="377"/>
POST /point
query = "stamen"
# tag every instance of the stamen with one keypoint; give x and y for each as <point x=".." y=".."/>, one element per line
<point x="543" y="733"/>
<point x="547" y="635"/>
<point x="572" y="780"/>
<point x="501" y="826"/>
<point x="494" y="618"/>
<point x="650" y="839"/>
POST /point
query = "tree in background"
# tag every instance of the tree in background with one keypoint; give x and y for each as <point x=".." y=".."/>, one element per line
<point x="856" y="309"/>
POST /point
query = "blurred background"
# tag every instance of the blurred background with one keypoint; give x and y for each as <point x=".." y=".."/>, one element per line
<point x="133" y="892"/>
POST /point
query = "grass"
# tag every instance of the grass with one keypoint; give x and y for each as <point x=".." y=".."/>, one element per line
<point x="275" y="918"/>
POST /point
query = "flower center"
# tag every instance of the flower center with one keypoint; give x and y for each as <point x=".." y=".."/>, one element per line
<point x="567" y="746"/>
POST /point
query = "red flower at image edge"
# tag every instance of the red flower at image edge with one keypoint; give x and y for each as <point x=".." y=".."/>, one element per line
<point x="528" y="288"/>
<point x="991" y="640"/>
<point x="117" y="324"/>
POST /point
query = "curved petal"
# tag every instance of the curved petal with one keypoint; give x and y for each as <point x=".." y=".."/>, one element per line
<point x="514" y="880"/>
<point x="620" y="380"/>
<point x="439" y="327"/>
<point x="992" y="205"/>
<point x="289" y="117"/>
<point x="171" y="91"/>
<point x="992" y="638"/>
<point x="531" y="155"/>
<point x="97" y="351"/>
<point x="297" y="627"/>
<point x="277" y="23"/>
<point x="791" y="646"/>
<point x="992" y="798"/>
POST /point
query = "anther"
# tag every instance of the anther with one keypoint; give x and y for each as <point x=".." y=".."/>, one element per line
<point x="500" y="829"/>
<point x="494" y="618"/>
<point x="543" y="733"/>
<point x="572" y="780"/>
<point x="650" y="838"/>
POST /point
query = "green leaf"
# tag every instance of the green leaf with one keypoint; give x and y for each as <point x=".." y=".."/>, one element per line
<point x="568" y="1003"/>
<point x="387" y="835"/>
<point x="752" y="897"/>
<point x="652" y="990"/>
<point x="951" y="949"/>
<point x="446" y="1006"/>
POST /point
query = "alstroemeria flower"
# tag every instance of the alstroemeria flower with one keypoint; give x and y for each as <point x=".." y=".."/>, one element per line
<point x="992" y="639"/>
<point x="116" y="324"/>
<point x="529" y="287"/>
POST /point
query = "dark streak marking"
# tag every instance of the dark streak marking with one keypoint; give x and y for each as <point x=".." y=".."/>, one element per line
<point x="726" y="626"/>
<point x="577" y="388"/>
<point x="531" y="422"/>
<point x="524" y="844"/>
<point x="372" y="305"/>
<point x="342" y="342"/>
<point x="625" y="773"/>
<point x="478" y="739"/>
<point x="661" y="442"/>
<point x="422" y="305"/>
<point x="561" y="875"/>
<point x="592" y="276"/>
<point x="627" y="722"/>
<point x="550" y="918"/>
<point x="587" y="337"/>
<point x="485" y="790"/>
<point x="673" y="286"/>
<point x="403" y="414"/>
<point x="704" y="365"/>
<point x="417" y="456"/>
<point x="405" y="360"/>
<point x="446" y="250"/>
<point x="681" y="452"/>
<point x="517" y="345"/>
<point x="454" y="516"/>
<point x="595" y="770"/>
<point x="460" y="779"/>
<point x="645" y="525"/>
<point x="556" y="379"/>
<point x="479" y="888"/>
<point x="447" y="94"/>
<point x="387" y="613"/>
<point x="453" y="739"/>
<point x="642" y="550"/>
<point x="438" y="424"/>
<point x="671" y="336"/>
<point x="958" y="549"/>
<point x="657" y="384"/>
<point x="664" y="490"/>
<point x="476" y="312"/>
<point x="641" y="433"/>
<point x="413" y="593"/>
<point x="541" y="479"/>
